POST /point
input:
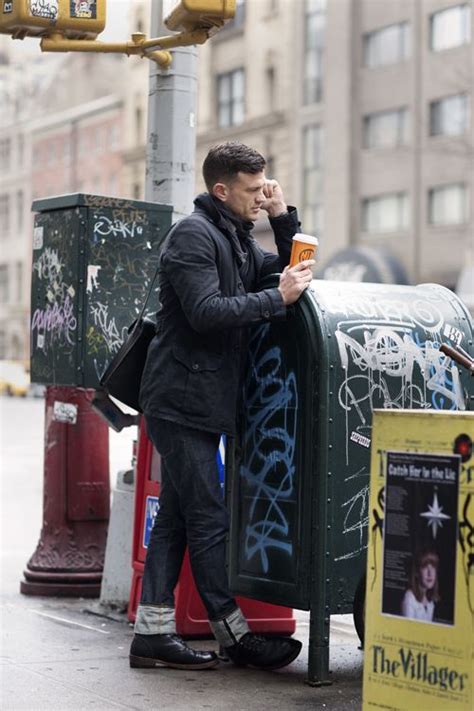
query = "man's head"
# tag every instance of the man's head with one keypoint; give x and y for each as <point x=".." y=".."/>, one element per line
<point x="234" y="174"/>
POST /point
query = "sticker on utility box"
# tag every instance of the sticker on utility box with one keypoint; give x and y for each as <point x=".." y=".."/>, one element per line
<point x="38" y="237"/>
<point x="152" y="504"/>
<point x="65" y="412"/>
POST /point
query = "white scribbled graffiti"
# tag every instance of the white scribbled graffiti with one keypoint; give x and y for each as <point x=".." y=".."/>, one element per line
<point x="55" y="323"/>
<point x="107" y="326"/>
<point x="104" y="227"/>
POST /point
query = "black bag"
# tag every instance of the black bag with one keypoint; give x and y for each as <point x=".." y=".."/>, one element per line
<point x="123" y="375"/>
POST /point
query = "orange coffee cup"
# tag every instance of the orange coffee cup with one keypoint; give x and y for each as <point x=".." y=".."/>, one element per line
<point x="304" y="247"/>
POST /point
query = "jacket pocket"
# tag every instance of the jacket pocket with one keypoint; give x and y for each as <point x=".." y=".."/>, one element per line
<point x="201" y="380"/>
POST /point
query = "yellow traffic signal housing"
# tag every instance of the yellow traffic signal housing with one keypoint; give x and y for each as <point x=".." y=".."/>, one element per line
<point x="191" y="15"/>
<point x="74" y="19"/>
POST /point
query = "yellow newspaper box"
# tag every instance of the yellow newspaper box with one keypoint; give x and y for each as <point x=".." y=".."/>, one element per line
<point x="419" y="627"/>
<point x="75" y="19"/>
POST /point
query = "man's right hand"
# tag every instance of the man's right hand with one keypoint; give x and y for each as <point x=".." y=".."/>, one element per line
<point x="294" y="280"/>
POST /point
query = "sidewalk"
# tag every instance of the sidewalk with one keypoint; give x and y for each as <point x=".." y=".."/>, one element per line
<point x="57" y="655"/>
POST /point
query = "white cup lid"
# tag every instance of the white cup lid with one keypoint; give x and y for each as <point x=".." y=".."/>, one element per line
<point x="309" y="239"/>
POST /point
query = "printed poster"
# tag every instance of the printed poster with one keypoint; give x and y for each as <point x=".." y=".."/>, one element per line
<point x="419" y="632"/>
<point x="420" y="536"/>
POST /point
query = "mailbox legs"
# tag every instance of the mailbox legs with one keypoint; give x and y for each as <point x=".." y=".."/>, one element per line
<point x="69" y="557"/>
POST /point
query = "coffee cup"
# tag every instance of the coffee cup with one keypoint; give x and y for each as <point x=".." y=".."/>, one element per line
<point x="304" y="247"/>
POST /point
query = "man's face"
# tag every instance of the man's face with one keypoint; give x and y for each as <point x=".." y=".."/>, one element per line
<point x="243" y="195"/>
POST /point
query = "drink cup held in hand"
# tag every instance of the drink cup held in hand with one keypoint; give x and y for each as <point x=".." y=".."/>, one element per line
<point x="304" y="247"/>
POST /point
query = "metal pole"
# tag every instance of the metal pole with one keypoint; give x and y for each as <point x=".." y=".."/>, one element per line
<point x="171" y="133"/>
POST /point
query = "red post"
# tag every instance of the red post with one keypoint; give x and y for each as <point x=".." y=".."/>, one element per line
<point x="69" y="557"/>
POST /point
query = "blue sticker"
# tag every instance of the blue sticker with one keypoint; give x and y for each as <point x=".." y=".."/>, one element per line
<point x="152" y="504"/>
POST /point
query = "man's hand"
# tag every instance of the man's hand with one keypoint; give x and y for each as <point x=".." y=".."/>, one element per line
<point x="294" y="280"/>
<point x="275" y="203"/>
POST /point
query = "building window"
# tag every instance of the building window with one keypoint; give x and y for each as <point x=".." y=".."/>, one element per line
<point x="387" y="45"/>
<point x="449" y="116"/>
<point x="20" y="206"/>
<point x="19" y="281"/>
<point x="313" y="137"/>
<point x="230" y="98"/>
<point x="5" y="154"/>
<point x="3" y="341"/>
<point x="315" y="26"/>
<point x="21" y="150"/>
<point x="4" y="284"/>
<point x="448" y="205"/>
<point x="450" y="27"/>
<point x="114" y="137"/>
<point x="386" y="129"/>
<point x="4" y="215"/>
<point x="385" y="213"/>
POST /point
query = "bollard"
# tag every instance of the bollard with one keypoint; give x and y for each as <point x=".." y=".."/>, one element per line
<point x="69" y="557"/>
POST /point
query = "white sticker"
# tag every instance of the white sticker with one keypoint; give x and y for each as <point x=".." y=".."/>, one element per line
<point x="360" y="439"/>
<point x="192" y="119"/>
<point x="44" y="8"/>
<point x="65" y="412"/>
<point x="92" y="277"/>
<point x="40" y="341"/>
<point x="453" y="333"/>
<point x="38" y="237"/>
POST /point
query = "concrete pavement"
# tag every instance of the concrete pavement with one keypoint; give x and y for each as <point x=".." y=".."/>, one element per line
<point x="56" y="654"/>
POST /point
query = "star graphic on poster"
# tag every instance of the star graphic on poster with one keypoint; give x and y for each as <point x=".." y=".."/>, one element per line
<point x="435" y="515"/>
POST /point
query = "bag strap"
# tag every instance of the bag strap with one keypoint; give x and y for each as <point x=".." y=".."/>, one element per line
<point x="140" y="316"/>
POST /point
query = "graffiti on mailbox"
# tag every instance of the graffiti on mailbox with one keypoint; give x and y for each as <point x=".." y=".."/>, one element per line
<point x="269" y="440"/>
<point x="389" y="357"/>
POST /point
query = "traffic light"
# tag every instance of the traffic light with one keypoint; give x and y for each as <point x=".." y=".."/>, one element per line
<point x="74" y="19"/>
<point x="191" y="15"/>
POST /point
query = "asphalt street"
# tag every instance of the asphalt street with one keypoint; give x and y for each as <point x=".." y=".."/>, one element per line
<point x="57" y="655"/>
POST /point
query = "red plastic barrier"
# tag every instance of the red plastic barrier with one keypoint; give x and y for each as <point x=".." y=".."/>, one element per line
<point x="191" y="616"/>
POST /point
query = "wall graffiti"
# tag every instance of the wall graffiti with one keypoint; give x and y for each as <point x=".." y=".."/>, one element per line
<point x="54" y="323"/>
<point x="269" y="441"/>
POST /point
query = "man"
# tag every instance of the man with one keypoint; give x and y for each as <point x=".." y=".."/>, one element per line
<point x="210" y="269"/>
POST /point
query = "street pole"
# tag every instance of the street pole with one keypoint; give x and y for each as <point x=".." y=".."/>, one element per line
<point x="171" y="132"/>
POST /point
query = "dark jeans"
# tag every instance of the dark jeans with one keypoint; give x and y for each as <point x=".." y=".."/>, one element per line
<point x="192" y="513"/>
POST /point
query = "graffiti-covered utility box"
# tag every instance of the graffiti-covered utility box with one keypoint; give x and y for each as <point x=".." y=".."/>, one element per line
<point x="298" y="481"/>
<point x="93" y="261"/>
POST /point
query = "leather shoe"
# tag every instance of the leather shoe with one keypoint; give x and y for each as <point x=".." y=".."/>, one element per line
<point x="168" y="650"/>
<point x="253" y="650"/>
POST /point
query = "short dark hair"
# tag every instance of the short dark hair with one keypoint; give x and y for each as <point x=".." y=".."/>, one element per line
<point x="225" y="160"/>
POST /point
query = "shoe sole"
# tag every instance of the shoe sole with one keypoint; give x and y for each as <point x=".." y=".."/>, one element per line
<point x="284" y="663"/>
<point x="148" y="663"/>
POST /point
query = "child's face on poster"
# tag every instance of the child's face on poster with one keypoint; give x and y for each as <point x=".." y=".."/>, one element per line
<point x="428" y="576"/>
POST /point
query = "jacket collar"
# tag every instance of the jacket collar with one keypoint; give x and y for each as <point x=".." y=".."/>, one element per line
<point x="231" y="225"/>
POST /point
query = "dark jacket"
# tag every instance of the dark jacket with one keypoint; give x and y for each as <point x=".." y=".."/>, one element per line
<point x="194" y="363"/>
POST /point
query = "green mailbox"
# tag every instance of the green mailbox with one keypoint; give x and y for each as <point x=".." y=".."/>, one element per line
<point x="298" y="473"/>
<point x="93" y="260"/>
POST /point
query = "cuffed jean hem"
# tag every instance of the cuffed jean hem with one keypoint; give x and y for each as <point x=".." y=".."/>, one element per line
<point x="155" y="619"/>
<point x="230" y="629"/>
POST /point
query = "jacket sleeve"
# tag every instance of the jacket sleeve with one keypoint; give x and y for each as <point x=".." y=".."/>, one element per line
<point x="189" y="262"/>
<point x="284" y="227"/>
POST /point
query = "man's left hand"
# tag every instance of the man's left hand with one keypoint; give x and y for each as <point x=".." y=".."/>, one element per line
<point x="275" y="203"/>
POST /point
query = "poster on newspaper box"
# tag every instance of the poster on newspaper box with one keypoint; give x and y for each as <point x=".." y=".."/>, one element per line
<point x="418" y="650"/>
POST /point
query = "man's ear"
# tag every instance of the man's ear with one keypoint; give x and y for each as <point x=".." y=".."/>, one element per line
<point x="220" y="191"/>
